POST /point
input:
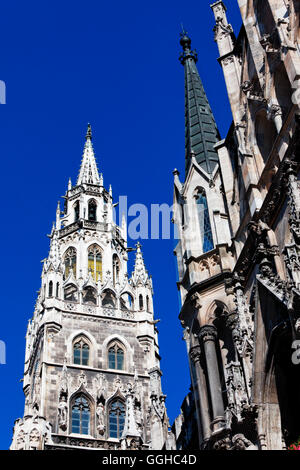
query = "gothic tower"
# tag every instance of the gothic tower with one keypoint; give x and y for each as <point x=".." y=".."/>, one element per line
<point x="238" y="219"/>
<point x="202" y="251"/>
<point x="92" y="377"/>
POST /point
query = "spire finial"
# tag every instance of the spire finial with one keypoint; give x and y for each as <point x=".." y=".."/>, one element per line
<point x="89" y="132"/>
<point x="88" y="172"/>
<point x="185" y="42"/>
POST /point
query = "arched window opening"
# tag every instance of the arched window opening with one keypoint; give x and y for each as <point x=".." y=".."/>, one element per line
<point x="95" y="262"/>
<point x="126" y="301"/>
<point x="57" y="289"/>
<point x="204" y="222"/>
<point x="147" y="303"/>
<point x="89" y="296"/>
<point x="115" y="356"/>
<point x="141" y="302"/>
<point x="81" y="415"/>
<point x="76" y="211"/>
<point x="116" y="419"/>
<point x="116" y="269"/>
<point x="70" y="262"/>
<point x="108" y="299"/>
<point x="50" y="291"/>
<point x="70" y="293"/>
<point x="81" y="352"/>
<point x="92" y="211"/>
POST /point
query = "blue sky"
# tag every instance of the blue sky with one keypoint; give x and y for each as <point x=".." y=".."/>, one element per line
<point x="115" y="65"/>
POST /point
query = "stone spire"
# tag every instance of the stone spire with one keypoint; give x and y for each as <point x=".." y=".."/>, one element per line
<point x="54" y="255"/>
<point x="140" y="273"/>
<point x="130" y="427"/>
<point x="201" y="132"/>
<point x="88" y="170"/>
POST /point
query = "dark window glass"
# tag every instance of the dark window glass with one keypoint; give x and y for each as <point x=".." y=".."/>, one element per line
<point x="204" y="222"/>
<point x="115" y="357"/>
<point x="116" y="419"/>
<point x="81" y="352"/>
<point x="81" y="416"/>
<point x="50" y="289"/>
<point x="92" y="211"/>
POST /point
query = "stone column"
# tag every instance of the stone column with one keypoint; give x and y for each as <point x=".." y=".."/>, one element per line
<point x="195" y="355"/>
<point x="208" y="335"/>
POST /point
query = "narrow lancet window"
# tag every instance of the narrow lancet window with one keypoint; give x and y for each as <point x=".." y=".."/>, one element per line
<point x="76" y="211"/>
<point x="92" y="211"/>
<point x="204" y="222"/>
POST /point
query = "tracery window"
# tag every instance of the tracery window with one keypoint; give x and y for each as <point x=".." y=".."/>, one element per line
<point x="92" y="210"/>
<point x="204" y="222"/>
<point x="81" y="352"/>
<point x="81" y="415"/>
<point x="115" y="356"/>
<point x="70" y="262"/>
<point x="116" y="419"/>
<point x="95" y="262"/>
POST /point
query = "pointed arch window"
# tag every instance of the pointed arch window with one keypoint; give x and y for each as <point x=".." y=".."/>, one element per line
<point x="57" y="289"/>
<point x="204" y="221"/>
<point x="116" y="419"/>
<point x="147" y="303"/>
<point x="81" y="415"/>
<point x="116" y="269"/>
<point x="70" y="262"/>
<point x="141" y="302"/>
<point x="95" y="262"/>
<point x="92" y="210"/>
<point x="50" y="291"/>
<point x="81" y="352"/>
<point x="116" y="356"/>
<point x="76" y="211"/>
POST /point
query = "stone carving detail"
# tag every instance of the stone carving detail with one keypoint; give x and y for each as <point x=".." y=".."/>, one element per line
<point x="100" y="418"/>
<point x="253" y="93"/>
<point x="236" y="392"/>
<point x="63" y="413"/>
<point x="240" y="442"/>
<point x="82" y="380"/>
<point x="241" y="323"/>
<point x="100" y="386"/>
<point x="158" y="404"/>
<point x="156" y="396"/>
<point x="63" y="396"/>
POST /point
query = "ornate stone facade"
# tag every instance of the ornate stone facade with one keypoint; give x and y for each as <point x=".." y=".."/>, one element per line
<point x="240" y="313"/>
<point x="92" y="373"/>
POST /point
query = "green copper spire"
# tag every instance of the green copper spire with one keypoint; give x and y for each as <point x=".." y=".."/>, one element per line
<point x="201" y="132"/>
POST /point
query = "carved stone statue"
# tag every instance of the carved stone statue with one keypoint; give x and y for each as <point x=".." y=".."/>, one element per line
<point x="63" y="413"/>
<point x="100" y="418"/>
